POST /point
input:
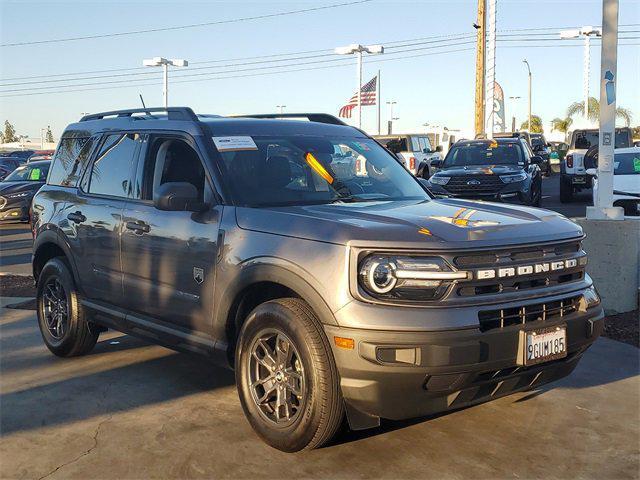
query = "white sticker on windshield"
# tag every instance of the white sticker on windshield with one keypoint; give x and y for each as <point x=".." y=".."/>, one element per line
<point x="232" y="144"/>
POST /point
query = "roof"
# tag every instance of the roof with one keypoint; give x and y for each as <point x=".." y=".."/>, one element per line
<point x="185" y="120"/>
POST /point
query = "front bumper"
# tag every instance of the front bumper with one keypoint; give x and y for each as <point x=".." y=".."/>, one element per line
<point x="14" y="213"/>
<point x="399" y="375"/>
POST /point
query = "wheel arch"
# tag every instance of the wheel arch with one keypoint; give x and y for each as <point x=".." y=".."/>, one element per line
<point x="46" y="246"/>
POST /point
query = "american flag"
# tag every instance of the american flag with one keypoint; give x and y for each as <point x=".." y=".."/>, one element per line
<point x="368" y="94"/>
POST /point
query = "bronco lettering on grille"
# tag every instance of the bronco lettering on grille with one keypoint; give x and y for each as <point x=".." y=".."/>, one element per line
<point x="522" y="270"/>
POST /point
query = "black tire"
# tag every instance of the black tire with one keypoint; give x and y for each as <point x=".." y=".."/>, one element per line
<point x="566" y="190"/>
<point x="76" y="335"/>
<point x="320" y="409"/>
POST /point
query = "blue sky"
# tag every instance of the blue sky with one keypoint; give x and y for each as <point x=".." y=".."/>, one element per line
<point x="438" y="89"/>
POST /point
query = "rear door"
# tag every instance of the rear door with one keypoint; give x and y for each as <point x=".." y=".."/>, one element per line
<point x="169" y="257"/>
<point x="95" y="217"/>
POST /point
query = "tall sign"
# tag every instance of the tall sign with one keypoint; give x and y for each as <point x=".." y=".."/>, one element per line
<point x="499" y="121"/>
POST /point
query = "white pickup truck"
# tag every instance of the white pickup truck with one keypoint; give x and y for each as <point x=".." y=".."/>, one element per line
<point x="414" y="150"/>
<point x="573" y="173"/>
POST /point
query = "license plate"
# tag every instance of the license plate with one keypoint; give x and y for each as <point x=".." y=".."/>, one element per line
<point x="543" y="345"/>
<point x="579" y="180"/>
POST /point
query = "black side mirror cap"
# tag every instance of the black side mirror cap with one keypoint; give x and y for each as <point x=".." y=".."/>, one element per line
<point x="436" y="163"/>
<point x="178" y="197"/>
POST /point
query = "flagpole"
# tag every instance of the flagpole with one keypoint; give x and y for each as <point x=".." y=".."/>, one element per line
<point x="379" y="100"/>
<point x="359" y="88"/>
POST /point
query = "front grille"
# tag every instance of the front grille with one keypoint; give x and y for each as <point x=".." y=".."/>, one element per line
<point x="3" y="202"/>
<point x="514" y="257"/>
<point x="505" y="317"/>
<point x="487" y="184"/>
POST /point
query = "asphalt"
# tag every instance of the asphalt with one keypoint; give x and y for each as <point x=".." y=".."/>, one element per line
<point x="15" y="239"/>
<point x="134" y="410"/>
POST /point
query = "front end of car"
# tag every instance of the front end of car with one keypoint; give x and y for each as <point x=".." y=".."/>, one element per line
<point x="488" y="186"/>
<point x="14" y="206"/>
<point x="430" y="331"/>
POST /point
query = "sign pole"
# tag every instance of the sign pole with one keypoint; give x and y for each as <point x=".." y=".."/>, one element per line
<point x="603" y="202"/>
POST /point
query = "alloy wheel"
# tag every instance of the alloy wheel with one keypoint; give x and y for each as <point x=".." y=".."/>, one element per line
<point x="277" y="378"/>
<point x="55" y="308"/>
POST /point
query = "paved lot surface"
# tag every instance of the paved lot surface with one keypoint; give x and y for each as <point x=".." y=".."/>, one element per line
<point x="15" y="240"/>
<point x="132" y="410"/>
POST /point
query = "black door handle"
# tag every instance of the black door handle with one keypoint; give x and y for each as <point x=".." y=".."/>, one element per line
<point x="138" y="227"/>
<point x="77" y="217"/>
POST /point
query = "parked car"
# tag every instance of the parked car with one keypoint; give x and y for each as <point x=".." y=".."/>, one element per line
<point x="573" y="175"/>
<point x="361" y="296"/>
<point x="626" y="180"/>
<point x="8" y="165"/>
<point x="18" y="188"/>
<point x="499" y="169"/>
<point x="414" y="150"/>
<point x="23" y="154"/>
<point x="526" y="136"/>
<point x="41" y="155"/>
<point x="541" y="148"/>
<point x="558" y="152"/>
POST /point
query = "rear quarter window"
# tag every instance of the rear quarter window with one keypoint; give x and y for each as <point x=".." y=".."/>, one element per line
<point x="70" y="159"/>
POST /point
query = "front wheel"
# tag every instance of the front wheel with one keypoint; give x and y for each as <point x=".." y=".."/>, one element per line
<point x="286" y="376"/>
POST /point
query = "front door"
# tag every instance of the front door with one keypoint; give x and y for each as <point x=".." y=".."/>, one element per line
<point x="169" y="257"/>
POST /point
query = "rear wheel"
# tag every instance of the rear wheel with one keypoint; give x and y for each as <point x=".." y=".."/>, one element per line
<point x="566" y="190"/>
<point x="286" y="376"/>
<point x="63" y="322"/>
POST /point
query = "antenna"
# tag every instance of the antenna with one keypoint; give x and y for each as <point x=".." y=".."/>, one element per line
<point x="142" y="100"/>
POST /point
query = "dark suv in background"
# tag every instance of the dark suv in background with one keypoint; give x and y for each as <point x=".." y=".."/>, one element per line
<point x="498" y="169"/>
<point x="330" y="290"/>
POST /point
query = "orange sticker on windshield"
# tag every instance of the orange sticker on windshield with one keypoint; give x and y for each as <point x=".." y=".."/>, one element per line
<point x="317" y="167"/>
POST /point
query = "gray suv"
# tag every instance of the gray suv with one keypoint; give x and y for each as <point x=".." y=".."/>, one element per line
<point x="333" y="293"/>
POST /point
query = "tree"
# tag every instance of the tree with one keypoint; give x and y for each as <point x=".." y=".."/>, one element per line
<point x="49" y="135"/>
<point x="536" y="125"/>
<point x="561" y="124"/>
<point x="593" y="111"/>
<point x="9" y="132"/>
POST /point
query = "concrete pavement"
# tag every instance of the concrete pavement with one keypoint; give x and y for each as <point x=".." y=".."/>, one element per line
<point x="133" y="410"/>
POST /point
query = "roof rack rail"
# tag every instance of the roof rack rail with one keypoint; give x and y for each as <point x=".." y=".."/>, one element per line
<point x="312" y="117"/>
<point x="173" y="113"/>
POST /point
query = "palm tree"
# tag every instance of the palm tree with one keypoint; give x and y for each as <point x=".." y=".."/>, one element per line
<point x="561" y="125"/>
<point x="593" y="111"/>
<point x="536" y="125"/>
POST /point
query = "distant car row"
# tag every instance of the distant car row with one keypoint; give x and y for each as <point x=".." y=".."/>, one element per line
<point x="19" y="187"/>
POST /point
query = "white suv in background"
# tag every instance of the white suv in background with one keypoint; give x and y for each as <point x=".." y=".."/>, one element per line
<point x="414" y="150"/>
<point x="573" y="174"/>
<point x="626" y="180"/>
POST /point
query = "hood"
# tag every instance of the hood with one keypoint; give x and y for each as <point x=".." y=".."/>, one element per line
<point x="479" y="170"/>
<point x="17" y="187"/>
<point x="436" y="224"/>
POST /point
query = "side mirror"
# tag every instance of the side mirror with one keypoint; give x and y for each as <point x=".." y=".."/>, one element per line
<point x="593" y="172"/>
<point x="439" y="148"/>
<point x="537" y="160"/>
<point x="177" y="197"/>
<point x="436" y="163"/>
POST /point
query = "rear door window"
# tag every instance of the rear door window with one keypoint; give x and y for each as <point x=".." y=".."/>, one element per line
<point x="111" y="171"/>
<point x="70" y="159"/>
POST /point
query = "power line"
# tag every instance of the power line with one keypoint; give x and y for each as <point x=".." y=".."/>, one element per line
<point x="182" y="27"/>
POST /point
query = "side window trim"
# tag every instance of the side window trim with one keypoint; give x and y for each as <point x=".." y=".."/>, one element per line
<point x="89" y="170"/>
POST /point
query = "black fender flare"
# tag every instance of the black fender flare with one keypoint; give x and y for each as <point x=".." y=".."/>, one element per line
<point x="53" y="236"/>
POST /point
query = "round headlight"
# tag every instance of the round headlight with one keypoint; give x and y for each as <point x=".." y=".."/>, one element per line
<point x="378" y="274"/>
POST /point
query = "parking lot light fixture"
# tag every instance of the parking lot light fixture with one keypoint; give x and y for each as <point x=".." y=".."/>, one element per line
<point x="358" y="50"/>
<point x="165" y="63"/>
<point x="529" y="70"/>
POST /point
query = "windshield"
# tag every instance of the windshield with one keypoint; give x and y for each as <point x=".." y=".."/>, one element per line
<point x="29" y="173"/>
<point x="627" y="164"/>
<point x="583" y="140"/>
<point x="483" y="153"/>
<point x="299" y="170"/>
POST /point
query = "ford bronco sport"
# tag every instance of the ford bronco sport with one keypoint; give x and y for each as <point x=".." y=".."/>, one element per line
<point x="331" y="294"/>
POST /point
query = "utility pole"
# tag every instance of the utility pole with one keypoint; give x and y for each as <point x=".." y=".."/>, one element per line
<point x="281" y="107"/>
<point x="480" y="68"/>
<point x="603" y="202"/>
<point x="587" y="32"/>
<point x="514" y="99"/>
<point x="164" y="63"/>
<point x="529" y="70"/>
<point x="359" y="50"/>
<point x="491" y="66"/>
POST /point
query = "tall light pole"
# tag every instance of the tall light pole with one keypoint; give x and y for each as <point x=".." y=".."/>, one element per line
<point x="391" y="117"/>
<point x="281" y="107"/>
<point x="359" y="50"/>
<point x="164" y="63"/>
<point x="529" y="70"/>
<point x="587" y="32"/>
